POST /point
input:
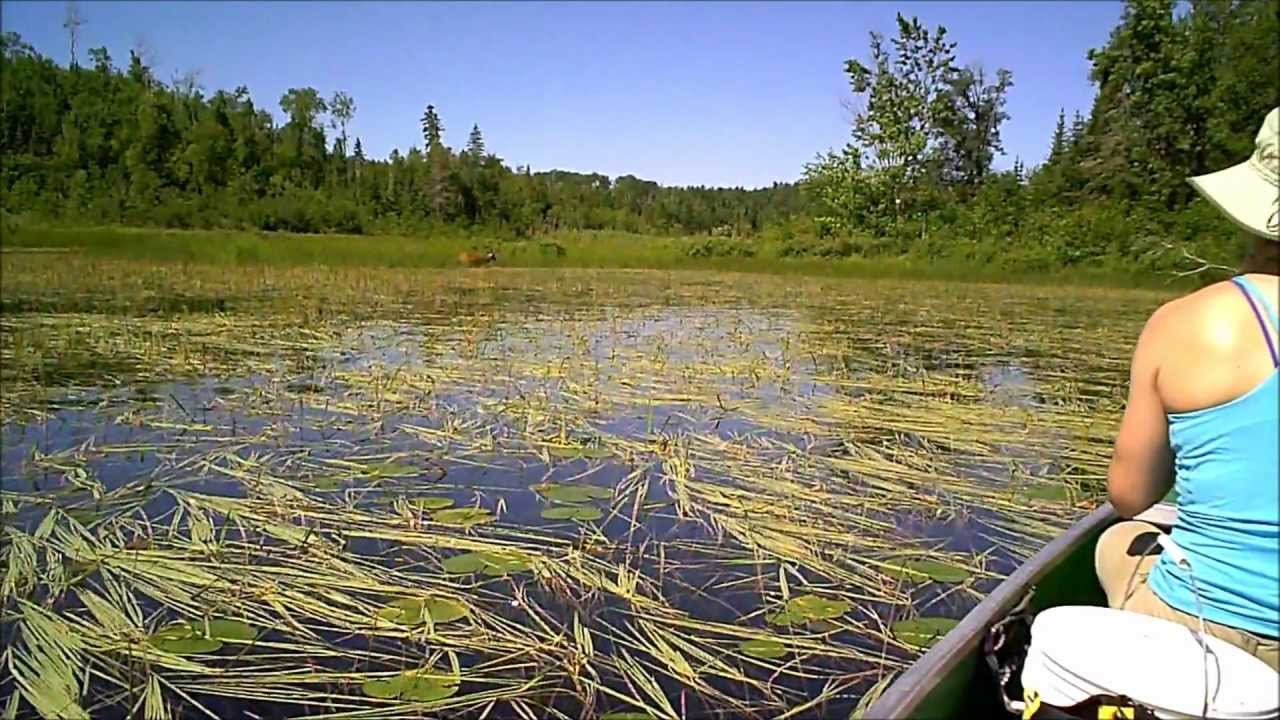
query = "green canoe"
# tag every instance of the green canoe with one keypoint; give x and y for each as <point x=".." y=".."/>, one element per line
<point x="952" y="680"/>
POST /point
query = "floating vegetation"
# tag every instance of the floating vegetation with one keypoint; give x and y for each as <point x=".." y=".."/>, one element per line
<point x="463" y="517"/>
<point x="923" y="632"/>
<point x="498" y="563"/>
<point x="572" y="512"/>
<point x="924" y="569"/>
<point x="762" y="648"/>
<point x="193" y="636"/>
<point x="465" y="563"/>
<point x="224" y="629"/>
<point x="494" y="563"/>
<point x="390" y="470"/>
<point x="1049" y="493"/>
<point x="577" y="451"/>
<point x="417" y="611"/>
<point x="318" y="501"/>
<point x="431" y="503"/>
<point x="326" y="482"/>
<point x="572" y="493"/>
<point x="416" y="686"/>
<point x="84" y="516"/>
<point x="808" y="608"/>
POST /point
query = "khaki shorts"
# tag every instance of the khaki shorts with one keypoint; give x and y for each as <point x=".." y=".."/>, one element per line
<point x="1123" y="558"/>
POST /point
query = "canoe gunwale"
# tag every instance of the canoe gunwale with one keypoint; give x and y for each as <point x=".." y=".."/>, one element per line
<point x="903" y="698"/>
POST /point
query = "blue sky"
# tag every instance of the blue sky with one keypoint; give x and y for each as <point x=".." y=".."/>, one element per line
<point x="713" y="93"/>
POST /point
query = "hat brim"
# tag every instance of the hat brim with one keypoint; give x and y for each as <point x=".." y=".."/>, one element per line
<point x="1249" y="200"/>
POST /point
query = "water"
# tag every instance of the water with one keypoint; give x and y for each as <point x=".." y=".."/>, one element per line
<point x="758" y="445"/>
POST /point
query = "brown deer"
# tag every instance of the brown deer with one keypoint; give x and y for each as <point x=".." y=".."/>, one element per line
<point x="471" y="258"/>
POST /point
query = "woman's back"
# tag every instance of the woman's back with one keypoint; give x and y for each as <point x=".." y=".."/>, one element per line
<point x="1215" y="349"/>
<point x="1203" y="417"/>
<point x="1220" y="388"/>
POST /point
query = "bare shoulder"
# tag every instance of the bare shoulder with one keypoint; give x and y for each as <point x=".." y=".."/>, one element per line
<point x="1204" y="305"/>
<point x="1198" y="320"/>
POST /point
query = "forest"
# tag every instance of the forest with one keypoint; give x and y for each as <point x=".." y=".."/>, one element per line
<point x="1181" y="89"/>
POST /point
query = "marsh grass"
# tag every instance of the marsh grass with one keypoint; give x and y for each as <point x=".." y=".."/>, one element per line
<point x="579" y="249"/>
<point x="357" y="463"/>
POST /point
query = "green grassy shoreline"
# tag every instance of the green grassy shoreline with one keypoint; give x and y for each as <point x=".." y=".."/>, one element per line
<point x="600" y="250"/>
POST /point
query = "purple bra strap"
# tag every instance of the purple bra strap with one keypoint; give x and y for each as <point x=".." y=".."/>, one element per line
<point x="1266" y="331"/>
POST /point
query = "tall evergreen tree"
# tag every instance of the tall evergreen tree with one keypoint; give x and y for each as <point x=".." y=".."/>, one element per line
<point x="432" y="129"/>
<point x="1076" y="133"/>
<point x="475" y="143"/>
<point x="1058" y="145"/>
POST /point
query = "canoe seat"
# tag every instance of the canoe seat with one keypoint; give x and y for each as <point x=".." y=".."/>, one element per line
<point x="1082" y="653"/>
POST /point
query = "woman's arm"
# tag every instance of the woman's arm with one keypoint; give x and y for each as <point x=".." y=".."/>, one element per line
<point x="1141" y="471"/>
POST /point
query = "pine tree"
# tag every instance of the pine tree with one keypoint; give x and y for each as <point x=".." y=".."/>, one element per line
<point x="1059" y="143"/>
<point x="475" y="143"/>
<point x="432" y="130"/>
<point x="1078" y="127"/>
<point x="358" y="160"/>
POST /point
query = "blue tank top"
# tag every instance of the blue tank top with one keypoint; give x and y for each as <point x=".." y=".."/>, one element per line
<point x="1226" y="462"/>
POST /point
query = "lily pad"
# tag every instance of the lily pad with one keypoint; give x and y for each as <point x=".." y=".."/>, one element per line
<point x="223" y="390"/>
<point x="920" y="570"/>
<point x="572" y="512"/>
<point x="572" y="493"/>
<point x="812" y="607"/>
<point x="578" y="451"/>
<point x="443" y="610"/>
<point x="415" y="611"/>
<point x="923" y="632"/>
<point x="463" y="517"/>
<point x="1049" y="493"/>
<point x="181" y="638"/>
<point x="225" y="629"/>
<point x="431" y="503"/>
<point x="493" y="564"/>
<point x="499" y="564"/>
<point x="174" y="631"/>
<point x="382" y="470"/>
<point x="763" y="648"/>
<point x="822" y="626"/>
<point x="413" y="685"/>
<point x="83" y="515"/>
<point x="464" y="564"/>
<point x="786" y="617"/>
<point x="405" y="611"/>
<point x="326" y="482"/>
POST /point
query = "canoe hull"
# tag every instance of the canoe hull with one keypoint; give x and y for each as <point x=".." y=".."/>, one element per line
<point x="952" y="679"/>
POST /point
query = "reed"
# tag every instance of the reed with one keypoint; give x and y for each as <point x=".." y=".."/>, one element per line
<point x="324" y="491"/>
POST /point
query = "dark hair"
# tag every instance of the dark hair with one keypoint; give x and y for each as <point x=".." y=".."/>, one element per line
<point x="1263" y="257"/>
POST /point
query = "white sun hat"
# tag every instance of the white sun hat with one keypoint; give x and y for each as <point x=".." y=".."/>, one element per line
<point x="1249" y="193"/>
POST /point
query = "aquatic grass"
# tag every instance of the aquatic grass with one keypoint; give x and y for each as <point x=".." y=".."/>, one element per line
<point x="333" y="451"/>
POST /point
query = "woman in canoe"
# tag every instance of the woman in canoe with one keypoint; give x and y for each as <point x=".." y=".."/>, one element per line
<point x="1203" y="417"/>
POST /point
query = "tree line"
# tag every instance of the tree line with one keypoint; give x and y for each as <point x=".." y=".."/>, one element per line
<point x="1181" y="88"/>
<point x="116" y="145"/>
